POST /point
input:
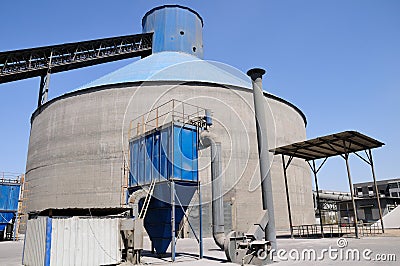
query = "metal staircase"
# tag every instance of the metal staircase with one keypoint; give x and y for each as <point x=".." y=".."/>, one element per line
<point x="147" y="200"/>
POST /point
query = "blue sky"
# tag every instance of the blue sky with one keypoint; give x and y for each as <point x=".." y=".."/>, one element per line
<point x="338" y="61"/>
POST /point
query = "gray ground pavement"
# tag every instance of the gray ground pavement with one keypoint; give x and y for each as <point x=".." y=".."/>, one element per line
<point x="187" y="252"/>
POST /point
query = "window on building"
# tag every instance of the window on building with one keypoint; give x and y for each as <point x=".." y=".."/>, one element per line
<point x="370" y="191"/>
<point x="359" y="191"/>
<point x="394" y="194"/>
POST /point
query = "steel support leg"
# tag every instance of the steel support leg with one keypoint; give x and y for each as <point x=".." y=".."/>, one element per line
<point x="376" y="189"/>
<point x="346" y="158"/>
<point x="287" y="194"/>
<point x="44" y="88"/>
<point x="172" y="220"/>
<point x="200" y="223"/>
<point x="314" y="169"/>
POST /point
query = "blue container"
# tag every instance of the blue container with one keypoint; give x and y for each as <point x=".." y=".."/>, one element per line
<point x="176" y="28"/>
<point x="165" y="154"/>
<point x="160" y="155"/>
<point x="9" y="196"/>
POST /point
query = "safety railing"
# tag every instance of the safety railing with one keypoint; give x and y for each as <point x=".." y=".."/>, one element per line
<point x="171" y="111"/>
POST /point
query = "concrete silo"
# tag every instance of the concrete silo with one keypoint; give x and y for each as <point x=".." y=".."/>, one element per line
<point x="78" y="142"/>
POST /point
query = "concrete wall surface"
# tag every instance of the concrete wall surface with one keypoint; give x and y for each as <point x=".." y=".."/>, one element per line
<point x="78" y="142"/>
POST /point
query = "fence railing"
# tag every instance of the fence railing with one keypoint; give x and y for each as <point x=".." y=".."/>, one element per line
<point x="332" y="230"/>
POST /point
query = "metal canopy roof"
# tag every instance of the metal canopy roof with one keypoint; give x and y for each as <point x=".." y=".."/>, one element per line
<point x="327" y="146"/>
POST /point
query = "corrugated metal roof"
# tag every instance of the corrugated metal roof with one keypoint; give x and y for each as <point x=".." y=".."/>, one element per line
<point x="174" y="66"/>
<point x="327" y="146"/>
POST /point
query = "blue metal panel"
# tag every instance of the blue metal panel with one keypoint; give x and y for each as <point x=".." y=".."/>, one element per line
<point x="141" y="161"/>
<point x="185" y="153"/>
<point x="156" y="156"/>
<point x="5" y="218"/>
<point x="48" y="241"/>
<point x="9" y="195"/>
<point x="148" y="159"/>
<point x="151" y="156"/>
<point x="165" y="162"/>
<point x="175" y="28"/>
<point x="177" y="154"/>
<point x="133" y="173"/>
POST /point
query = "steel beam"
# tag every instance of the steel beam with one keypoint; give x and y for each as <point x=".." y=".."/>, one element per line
<point x="34" y="62"/>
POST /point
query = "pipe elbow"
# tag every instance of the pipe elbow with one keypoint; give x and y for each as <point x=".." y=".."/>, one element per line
<point x="134" y="199"/>
<point x="219" y="239"/>
<point x="136" y="196"/>
<point x="207" y="139"/>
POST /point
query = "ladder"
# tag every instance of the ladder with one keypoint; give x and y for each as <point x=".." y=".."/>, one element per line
<point x="147" y="200"/>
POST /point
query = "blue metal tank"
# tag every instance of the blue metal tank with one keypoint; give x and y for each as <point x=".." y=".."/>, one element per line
<point x="161" y="155"/>
<point x="9" y="196"/>
<point x="176" y="28"/>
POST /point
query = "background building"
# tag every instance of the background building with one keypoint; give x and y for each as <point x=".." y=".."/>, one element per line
<point x="366" y="201"/>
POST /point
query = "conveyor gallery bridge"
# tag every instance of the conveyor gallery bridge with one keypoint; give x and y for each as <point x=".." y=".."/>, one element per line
<point x="42" y="61"/>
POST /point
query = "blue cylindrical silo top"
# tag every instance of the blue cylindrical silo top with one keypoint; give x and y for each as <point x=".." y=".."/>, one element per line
<point x="176" y="28"/>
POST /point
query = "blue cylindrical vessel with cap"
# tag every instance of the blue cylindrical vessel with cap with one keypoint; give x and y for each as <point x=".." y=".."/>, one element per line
<point x="176" y="28"/>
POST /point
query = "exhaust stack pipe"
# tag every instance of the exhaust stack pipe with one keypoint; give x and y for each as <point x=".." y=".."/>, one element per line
<point x="262" y="139"/>
<point x="218" y="222"/>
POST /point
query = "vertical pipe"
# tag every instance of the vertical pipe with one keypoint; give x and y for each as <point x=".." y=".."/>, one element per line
<point x="346" y="158"/>
<point x="287" y="196"/>
<point x="200" y="201"/>
<point x="318" y="200"/>
<point x="172" y="220"/>
<point x="376" y="189"/>
<point x="200" y="223"/>
<point x="218" y="222"/>
<point x="216" y="195"/>
<point x="263" y="153"/>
